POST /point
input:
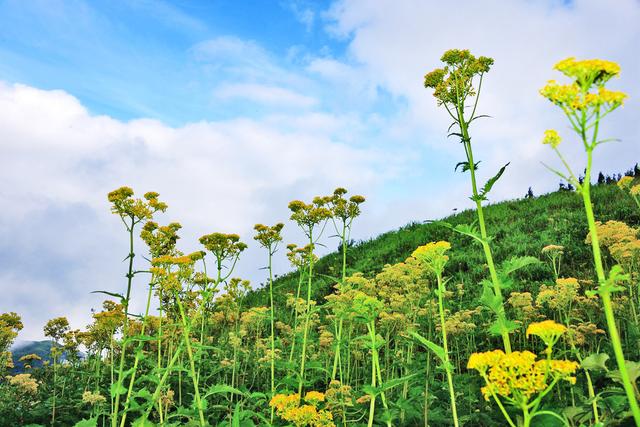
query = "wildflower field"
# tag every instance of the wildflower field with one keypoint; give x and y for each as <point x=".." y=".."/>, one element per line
<point x="523" y="313"/>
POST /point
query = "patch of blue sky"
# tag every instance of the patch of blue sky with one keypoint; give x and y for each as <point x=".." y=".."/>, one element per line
<point x="136" y="58"/>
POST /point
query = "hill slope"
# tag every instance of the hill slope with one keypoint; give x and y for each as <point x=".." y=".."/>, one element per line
<point x="520" y="227"/>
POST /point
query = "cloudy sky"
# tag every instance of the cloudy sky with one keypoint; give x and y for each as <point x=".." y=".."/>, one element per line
<point x="230" y="109"/>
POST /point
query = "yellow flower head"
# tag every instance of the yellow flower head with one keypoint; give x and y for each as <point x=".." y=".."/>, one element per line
<point x="635" y="190"/>
<point x="552" y="138"/>
<point x="314" y="397"/>
<point x="93" y="398"/>
<point x="548" y="330"/>
<point x="433" y="255"/>
<point x="482" y="361"/>
<point x="588" y="71"/>
<point x="625" y="182"/>
<point x="24" y="383"/>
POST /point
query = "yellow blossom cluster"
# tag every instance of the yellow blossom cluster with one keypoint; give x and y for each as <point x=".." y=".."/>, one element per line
<point x="522" y="303"/>
<point x="589" y="71"/>
<point x="548" y="330"/>
<point x="433" y="255"/>
<point x="559" y="297"/>
<point x="620" y="239"/>
<point x="551" y="138"/>
<point x="290" y="408"/>
<point x="518" y="376"/>
<point x="24" y="383"/>
<point x="93" y="398"/>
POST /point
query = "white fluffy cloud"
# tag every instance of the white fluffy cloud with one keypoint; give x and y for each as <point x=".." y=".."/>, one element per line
<point x="393" y="44"/>
<point x="363" y="121"/>
<point x="59" y="162"/>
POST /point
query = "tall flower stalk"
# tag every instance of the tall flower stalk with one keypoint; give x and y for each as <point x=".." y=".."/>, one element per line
<point x="433" y="257"/>
<point x="585" y="102"/>
<point x="453" y="88"/>
<point x="269" y="237"/>
<point x="343" y="212"/>
<point x="55" y="329"/>
<point x="131" y="212"/>
<point x="311" y="218"/>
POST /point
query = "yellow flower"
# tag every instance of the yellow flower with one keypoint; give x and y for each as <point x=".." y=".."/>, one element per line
<point x="635" y="190"/>
<point x="482" y="361"/>
<point x="314" y="397"/>
<point x="552" y="138"/>
<point x="432" y="255"/>
<point x="588" y="71"/>
<point x="93" y="398"/>
<point x="548" y="330"/>
<point x="625" y="182"/>
<point x="552" y="248"/>
<point x="24" y="383"/>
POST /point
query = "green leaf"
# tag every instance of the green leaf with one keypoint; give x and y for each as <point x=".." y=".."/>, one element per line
<point x="465" y="166"/>
<point x="469" y="230"/>
<point x="142" y="422"/>
<point x="143" y="393"/>
<point x="501" y="326"/>
<point x="112" y="294"/>
<point x="435" y="348"/>
<point x="117" y="388"/>
<point x="489" y="299"/>
<point x="91" y="422"/>
<point x="487" y="187"/>
<point x="222" y="389"/>
<point x="595" y="362"/>
<point x="633" y="371"/>
<point x="516" y="263"/>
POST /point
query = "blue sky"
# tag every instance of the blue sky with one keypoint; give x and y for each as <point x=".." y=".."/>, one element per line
<point x="132" y="59"/>
<point x="230" y="109"/>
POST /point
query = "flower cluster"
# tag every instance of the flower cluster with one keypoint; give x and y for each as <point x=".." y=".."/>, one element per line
<point x="433" y="255"/>
<point x="345" y="209"/>
<point x="24" y="383"/>
<point x="124" y="205"/>
<point x="620" y="239"/>
<point x="518" y="376"/>
<point x="290" y="408"/>
<point x="268" y="236"/>
<point x="93" y="398"/>
<point x="551" y="138"/>
<point x="548" y="330"/>
<point x="453" y="82"/>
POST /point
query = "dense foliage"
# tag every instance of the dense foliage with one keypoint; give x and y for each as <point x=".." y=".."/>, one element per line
<point x="521" y="313"/>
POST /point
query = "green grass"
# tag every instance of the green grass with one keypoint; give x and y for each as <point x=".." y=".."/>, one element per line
<point x="520" y="227"/>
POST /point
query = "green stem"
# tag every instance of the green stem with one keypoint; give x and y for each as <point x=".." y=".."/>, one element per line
<point x="307" y="316"/>
<point x="273" y="342"/>
<point x="187" y="341"/>
<point x="448" y="367"/>
<point x="497" y="288"/>
<point x="606" y="295"/>
<point x="137" y="358"/>
<point x="125" y="328"/>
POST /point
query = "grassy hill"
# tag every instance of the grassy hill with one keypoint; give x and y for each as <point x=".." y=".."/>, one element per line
<point x="520" y="227"/>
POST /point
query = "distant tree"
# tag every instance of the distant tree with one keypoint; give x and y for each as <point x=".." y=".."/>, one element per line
<point x="570" y="187"/>
<point x="529" y="194"/>
<point x="601" y="179"/>
<point x="636" y="170"/>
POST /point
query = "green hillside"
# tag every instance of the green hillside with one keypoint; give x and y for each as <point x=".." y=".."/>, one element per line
<point x="521" y="227"/>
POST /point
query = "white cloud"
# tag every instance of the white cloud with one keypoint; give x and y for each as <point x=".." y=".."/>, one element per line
<point x="59" y="239"/>
<point x="393" y="44"/>
<point x="264" y="94"/>
<point x="373" y="129"/>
